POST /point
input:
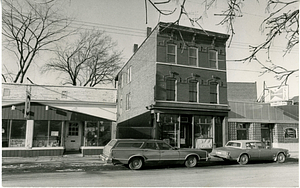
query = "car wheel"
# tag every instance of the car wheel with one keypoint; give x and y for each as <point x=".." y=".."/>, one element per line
<point x="136" y="163"/>
<point x="244" y="159"/>
<point x="191" y="161"/>
<point x="280" y="158"/>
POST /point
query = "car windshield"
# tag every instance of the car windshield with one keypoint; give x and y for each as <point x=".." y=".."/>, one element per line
<point x="233" y="144"/>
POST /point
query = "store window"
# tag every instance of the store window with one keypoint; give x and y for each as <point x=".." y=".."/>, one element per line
<point x="193" y="56"/>
<point x="18" y="133"/>
<point x="242" y="131"/>
<point x="97" y="133"/>
<point x="213" y="58"/>
<point x="47" y="133"/>
<point x="193" y="91"/>
<point x="169" y="125"/>
<point x="203" y="133"/>
<point x="171" y="53"/>
<point x="5" y="132"/>
<point x="171" y="89"/>
<point x="290" y="133"/>
<point x="214" y="93"/>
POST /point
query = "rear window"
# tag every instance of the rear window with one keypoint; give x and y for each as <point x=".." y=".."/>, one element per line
<point x="233" y="144"/>
<point x="129" y="145"/>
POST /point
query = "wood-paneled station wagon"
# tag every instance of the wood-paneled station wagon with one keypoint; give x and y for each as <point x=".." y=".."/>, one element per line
<point x="244" y="151"/>
<point x="135" y="153"/>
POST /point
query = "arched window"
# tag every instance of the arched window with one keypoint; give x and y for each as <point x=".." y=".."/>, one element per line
<point x="214" y="92"/>
<point x="290" y="133"/>
<point x="193" y="91"/>
<point x="171" y="89"/>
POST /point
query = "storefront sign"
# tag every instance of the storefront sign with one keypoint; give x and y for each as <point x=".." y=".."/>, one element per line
<point x="17" y="143"/>
<point x="202" y="143"/>
<point x="54" y="133"/>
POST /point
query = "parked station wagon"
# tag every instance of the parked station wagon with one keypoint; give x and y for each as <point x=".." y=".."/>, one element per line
<point x="243" y="151"/>
<point x="135" y="153"/>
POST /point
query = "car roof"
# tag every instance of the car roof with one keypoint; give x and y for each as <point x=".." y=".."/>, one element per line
<point x="136" y="140"/>
<point x="244" y="141"/>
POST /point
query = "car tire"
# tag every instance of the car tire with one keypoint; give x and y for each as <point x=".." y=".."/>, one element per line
<point x="244" y="159"/>
<point x="191" y="161"/>
<point x="136" y="163"/>
<point x="281" y="158"/>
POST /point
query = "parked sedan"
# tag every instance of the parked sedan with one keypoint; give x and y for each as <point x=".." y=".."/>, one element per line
<point x="137" y="152"/>
<point x="243" y="151"/>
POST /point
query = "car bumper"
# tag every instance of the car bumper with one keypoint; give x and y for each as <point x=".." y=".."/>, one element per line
<point x="106" y="159"/>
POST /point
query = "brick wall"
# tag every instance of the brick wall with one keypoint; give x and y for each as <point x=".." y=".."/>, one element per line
<point x="232" y="134"/>
<point x="255" y="131"/>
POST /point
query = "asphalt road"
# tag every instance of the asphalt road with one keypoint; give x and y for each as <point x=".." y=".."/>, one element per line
<point x="220" y="175"/>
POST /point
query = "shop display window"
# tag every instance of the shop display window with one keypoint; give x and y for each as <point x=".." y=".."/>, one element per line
<point x="170" y="129"/>
<point x="97" y="133"/>
<point x="203" y="132"/>
<point x="5" y="132"/>
<point x="47" y="133"/>
<point x="17" y="133"/>
<point x="290" y="133"/>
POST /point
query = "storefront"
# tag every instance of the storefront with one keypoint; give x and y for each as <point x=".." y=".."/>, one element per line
<point x="52" y="131"/>
<point x="277" y="126"/>
<point x="191" y="131"/>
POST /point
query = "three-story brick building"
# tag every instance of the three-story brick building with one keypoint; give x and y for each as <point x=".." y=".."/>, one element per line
<point x="174" y="88"/>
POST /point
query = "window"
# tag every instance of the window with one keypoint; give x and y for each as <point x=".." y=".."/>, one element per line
<point x="151" y="145"/>
<point x="97" y="133"/>
<point x="128" y="101"/>
<point x="171" y="53"/>
<point x="290" y="133"/>
<point x="18" y="133"/>
<point x="164" y="146"/>
<point x="214" y="93"/>
<point x="5" y="132"/>
<point x="129" y="145"/>
<point x="64" y="94"/>
<point x="193" y="56"/>
<point x="47" y="133"/>
<point x="213" y="58"/>
<point x="171" y="89"/>
<point x="203" y="127"/>
<point x="129" y="75"/>
<point x="233" y="144"/>
<point x="6" y="92"/>
<point x="193" y="91"/>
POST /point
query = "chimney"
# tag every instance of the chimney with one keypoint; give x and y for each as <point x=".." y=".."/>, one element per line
<point x="148" y="31"/>
<point x="135" y="47"/>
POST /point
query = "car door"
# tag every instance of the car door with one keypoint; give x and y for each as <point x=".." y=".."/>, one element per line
<point x="252" y="150"/>
<point x="168" y="153"/>
<point x="151" y="152"/>
<point x="264" y="154"/>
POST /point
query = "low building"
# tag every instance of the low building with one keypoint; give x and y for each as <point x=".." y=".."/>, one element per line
<point x="275" y="125"/>
<point x="52" y="120"/>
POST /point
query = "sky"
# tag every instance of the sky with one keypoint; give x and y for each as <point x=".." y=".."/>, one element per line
<point x="126" y="23"/>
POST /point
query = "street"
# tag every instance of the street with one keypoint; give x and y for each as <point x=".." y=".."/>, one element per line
<point x="221" y="175"/>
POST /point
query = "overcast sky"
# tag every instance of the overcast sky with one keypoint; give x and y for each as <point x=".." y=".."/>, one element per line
<point x="125" y="22"/>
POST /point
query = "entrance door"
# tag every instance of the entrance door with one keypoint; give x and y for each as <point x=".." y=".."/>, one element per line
<point x="73" y="136"/>
<point x="218" y="132"/>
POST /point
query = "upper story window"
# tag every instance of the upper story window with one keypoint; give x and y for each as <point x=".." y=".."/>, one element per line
<point x="129" y="75"/>
<point x="171" y="89"/>
<point x="214" y="93"/>
<point x="171" y="53"/>
<point x="213" y="59"/>
<point x="193" y="56"/>
<point x="128" y="101"/>
<point x="193" y="91"/>
<point x="290" y="133"/>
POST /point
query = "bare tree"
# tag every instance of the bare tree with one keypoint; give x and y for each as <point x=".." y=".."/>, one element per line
<point x="283" y="19"/>
<point x="90" y="61"/>
<point x="28" y="28"/>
